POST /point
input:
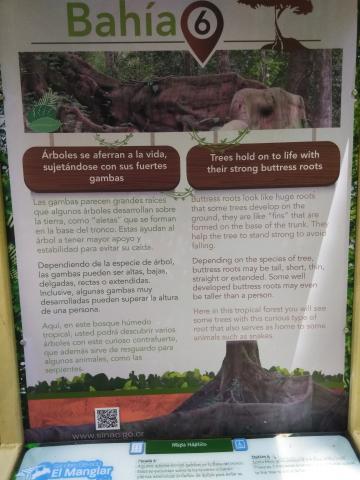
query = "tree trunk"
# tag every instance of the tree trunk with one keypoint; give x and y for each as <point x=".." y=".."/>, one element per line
<point x="300" y="69"/>
<point x="223" y="61"/>
<point x="110" y="61"/>
<point x="323" y="102"/>
<point x="189" y="66"/>
<point x="279" y="39"/>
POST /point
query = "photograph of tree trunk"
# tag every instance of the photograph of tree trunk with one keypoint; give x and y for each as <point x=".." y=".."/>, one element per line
<point x="243" y="398"/>
<point x="169" y="92"/>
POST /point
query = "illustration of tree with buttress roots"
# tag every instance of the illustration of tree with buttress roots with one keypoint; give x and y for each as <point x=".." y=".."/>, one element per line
<point x="299" y="7"/>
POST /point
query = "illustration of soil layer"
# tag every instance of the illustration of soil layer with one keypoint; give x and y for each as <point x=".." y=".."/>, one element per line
<point x="243" y="399"/>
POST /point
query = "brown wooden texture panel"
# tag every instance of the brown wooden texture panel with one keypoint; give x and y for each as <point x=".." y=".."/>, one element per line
<point x="265" y="165"/>
<point x="94" y="169"/>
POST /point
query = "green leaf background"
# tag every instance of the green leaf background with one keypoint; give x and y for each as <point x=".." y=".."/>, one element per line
<point x="5" y="183"/>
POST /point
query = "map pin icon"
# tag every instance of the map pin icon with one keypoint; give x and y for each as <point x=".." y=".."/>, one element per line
<point x="202" y="24"/>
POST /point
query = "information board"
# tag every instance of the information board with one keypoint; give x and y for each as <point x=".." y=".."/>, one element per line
<point x="181" y="179"/>
<point x="280" y="458"/>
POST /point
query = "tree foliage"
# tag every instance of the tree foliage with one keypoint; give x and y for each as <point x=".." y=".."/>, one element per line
<point x="169" y="380"/>
<point x="300" y="7"/>
<point x="85" y="382"/>
<point x="6" y="192"/>
<point x="353" y="226"/>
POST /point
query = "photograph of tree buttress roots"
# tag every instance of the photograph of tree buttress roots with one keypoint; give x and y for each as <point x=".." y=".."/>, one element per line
<point x="110" y="92"/>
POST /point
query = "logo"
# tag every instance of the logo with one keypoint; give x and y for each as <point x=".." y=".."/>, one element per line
<point x="240" y="445"/>
<point x="202" y="24"/>
<point x="137" y="448"/>
<point x="92" y="470"/>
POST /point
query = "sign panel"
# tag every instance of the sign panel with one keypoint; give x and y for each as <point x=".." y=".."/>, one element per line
<point x="181" y="180"/>
<point x="277" y="458"/>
